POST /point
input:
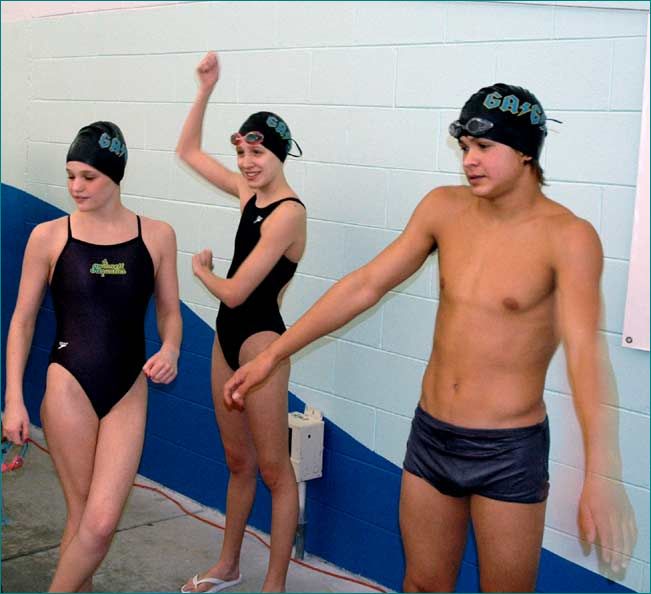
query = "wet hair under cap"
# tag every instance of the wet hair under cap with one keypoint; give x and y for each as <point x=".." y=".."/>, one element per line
<point x="277" y="136"/>
<point x="102" y="146"/>
<point x="517" y="116"/>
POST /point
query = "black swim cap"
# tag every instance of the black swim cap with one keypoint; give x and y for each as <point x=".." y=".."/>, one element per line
<point x="517" y="118"/>
<point x="101" y="145"/>
<point x="277" y="137"/>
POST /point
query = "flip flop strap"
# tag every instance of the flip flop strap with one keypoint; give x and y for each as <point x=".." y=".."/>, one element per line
<point x="209" y="580"/>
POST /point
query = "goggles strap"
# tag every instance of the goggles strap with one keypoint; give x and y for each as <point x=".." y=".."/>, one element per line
<point x="300" y="150"/>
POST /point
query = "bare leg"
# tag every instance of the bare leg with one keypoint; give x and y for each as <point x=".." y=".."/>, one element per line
<point x="241" y="459"/>
<point x="509" y="539"/>
<point x="433" y="528"/>
<point x="264" y="422"/>
<point x="117" y="455"/>
<point x="70" y="426"/>
<point x="267" y="413"/>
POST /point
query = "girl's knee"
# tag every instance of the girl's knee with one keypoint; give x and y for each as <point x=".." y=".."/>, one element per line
<point x="420" y="582"/>
<point x="241" y="463"/>
<point x="97" y="529"/>
<point x="276" y="473"/>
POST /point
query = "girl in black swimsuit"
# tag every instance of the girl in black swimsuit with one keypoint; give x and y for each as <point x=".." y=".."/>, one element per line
<point x="269" y="243"/>
<point x="259" y="311"/>
<point x="103" y="263"/>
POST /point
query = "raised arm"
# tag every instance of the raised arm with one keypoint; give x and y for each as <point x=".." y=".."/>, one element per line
<point x="352" y="295"/>
<point x="189" y="144"/>
<point x="283" y="227"/>
<point x="33" y="283"/>
<point x="605" y="513"/>
<point x="162" y="367"/>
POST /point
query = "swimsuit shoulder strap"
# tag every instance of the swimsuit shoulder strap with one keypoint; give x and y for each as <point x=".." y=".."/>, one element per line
<point x="274" y="205"/>
<point x="139" y="227"/>
<point x="69" y="228"/>
<point x="250" y="203"/>
<point x="291" y="199"/>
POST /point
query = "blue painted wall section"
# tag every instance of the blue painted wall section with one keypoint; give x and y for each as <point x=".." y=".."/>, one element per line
<point x="357" y="498"/>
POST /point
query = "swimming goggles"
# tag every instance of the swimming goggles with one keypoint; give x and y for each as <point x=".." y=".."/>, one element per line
<point x="474" y="127"/>
<point x="249" y="137"/>
<point x="254" y="138"/>
<point x="17" y="460"/>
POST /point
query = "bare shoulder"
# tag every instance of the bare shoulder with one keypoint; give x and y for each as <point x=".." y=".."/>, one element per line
<point x="46" y="241"/>
<point x="446" y="199"/>
<point x="157" y="231"/>
<point x="290" y="215"/>
<point x="293" y="209"/>
<point x="565" y="226"/>
<point x="572" y="237"/>
<point x="50" y="229"/>
<point x="49" y="235"/>
<point x="159" y="238"/>
<point x="440" y="206"/>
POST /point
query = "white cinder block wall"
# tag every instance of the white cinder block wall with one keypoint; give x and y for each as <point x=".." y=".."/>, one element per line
<point x="368" y="89"/>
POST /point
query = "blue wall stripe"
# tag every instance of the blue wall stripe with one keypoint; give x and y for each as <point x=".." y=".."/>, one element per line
<point x="355" y="528"/>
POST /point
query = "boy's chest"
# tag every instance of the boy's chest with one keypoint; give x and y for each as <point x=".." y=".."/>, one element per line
<point x="500" y="271"/>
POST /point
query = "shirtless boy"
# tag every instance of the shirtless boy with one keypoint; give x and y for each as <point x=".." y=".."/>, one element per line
<point x="518" y="274"/>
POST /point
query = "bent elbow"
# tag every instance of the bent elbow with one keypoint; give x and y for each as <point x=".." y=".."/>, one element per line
<point x="186" y="152"/>
<point x="234" y="297"/>
<point x="229" y="301"/>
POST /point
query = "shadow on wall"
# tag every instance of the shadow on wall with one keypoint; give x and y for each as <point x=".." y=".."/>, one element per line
<point x="183" y="450"/>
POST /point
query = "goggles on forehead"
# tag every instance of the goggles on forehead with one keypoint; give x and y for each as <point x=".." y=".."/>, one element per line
<point x="255" y="138"/>
<point x="249" y="137"/>
<point x="474" y="127"/>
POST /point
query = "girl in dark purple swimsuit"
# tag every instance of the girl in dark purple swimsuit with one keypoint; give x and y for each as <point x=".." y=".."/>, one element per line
<point x="103" y="264"/>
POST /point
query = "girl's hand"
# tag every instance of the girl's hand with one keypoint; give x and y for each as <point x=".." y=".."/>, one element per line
<point x="208" y="71"/>
<point x="15" y="422"/>
<point x="162" y="368"/>
<point x="202" y="262"/>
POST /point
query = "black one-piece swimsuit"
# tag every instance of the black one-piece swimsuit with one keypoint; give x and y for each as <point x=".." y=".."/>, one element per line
<point x="100" y="295"/>
<point x="260" y="310"/>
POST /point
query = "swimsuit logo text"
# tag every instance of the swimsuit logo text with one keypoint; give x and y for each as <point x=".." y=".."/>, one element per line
<point x="257" y="219"/>
<point x="105" y="268"/>
<point x="62" y="345"/>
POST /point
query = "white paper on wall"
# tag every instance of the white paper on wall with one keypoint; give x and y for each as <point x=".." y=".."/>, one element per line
<point x="636" y="316"/>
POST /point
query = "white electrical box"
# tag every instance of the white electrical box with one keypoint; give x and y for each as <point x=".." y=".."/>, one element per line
<point x="306" y="443"/>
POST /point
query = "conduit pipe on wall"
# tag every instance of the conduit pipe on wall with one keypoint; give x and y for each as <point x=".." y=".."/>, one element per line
<point x="306" y="455"/>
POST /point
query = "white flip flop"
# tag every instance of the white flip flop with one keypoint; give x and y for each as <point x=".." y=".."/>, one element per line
<point x="218" y="585"/>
